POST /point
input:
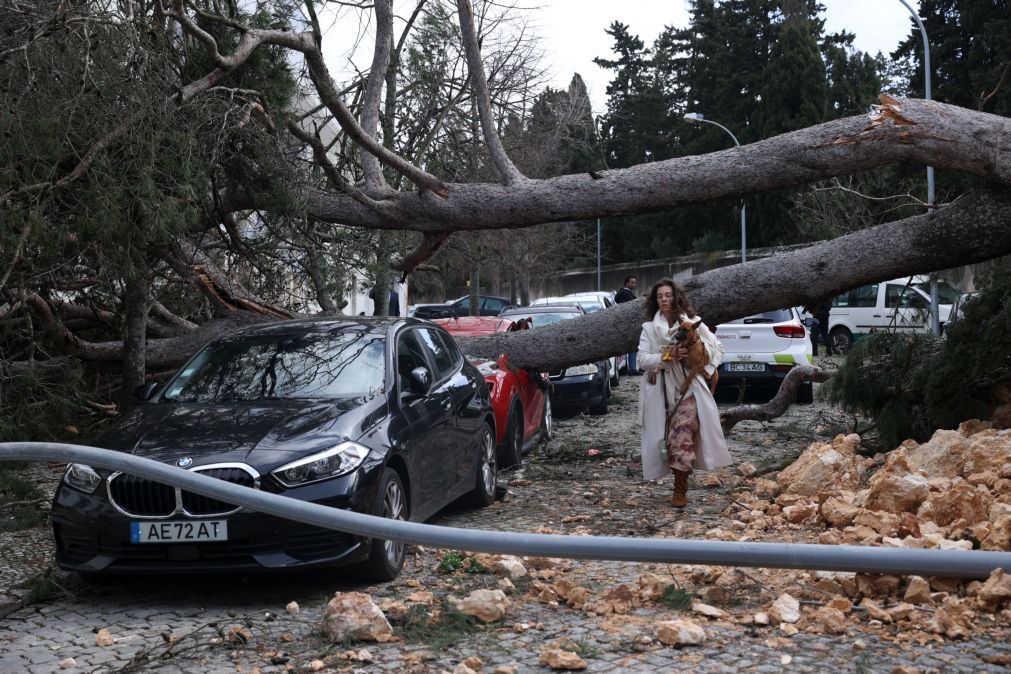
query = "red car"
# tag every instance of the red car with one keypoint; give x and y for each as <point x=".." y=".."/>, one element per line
<point x="519" y="396"/>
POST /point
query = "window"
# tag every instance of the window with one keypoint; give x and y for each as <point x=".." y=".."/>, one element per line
<point x="349" y="363"/>
<point x="903" y="297"/>
<point x="864" y="296"/>
<point x="777" y="316"/>
<point x="444" y="358"/>
<point x="410" y="354"/>
<point x="493" y="305"/>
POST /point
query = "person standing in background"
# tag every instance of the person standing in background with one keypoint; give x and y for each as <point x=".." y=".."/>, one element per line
<point x="627" y="294"/>
<point x="821" y="310"/>
<point x="394" y="306"/>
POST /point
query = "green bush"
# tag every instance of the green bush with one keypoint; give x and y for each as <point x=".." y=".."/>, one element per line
<point x="913" y="384"/>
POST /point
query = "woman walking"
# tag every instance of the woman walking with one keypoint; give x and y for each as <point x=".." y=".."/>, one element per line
<point x="678" y="433"/>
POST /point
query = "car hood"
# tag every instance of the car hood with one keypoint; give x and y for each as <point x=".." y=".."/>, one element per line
<point x="257" y="433"/>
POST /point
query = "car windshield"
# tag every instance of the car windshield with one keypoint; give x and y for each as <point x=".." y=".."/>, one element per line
<point x="314" y="366"/>
<point x="541" y="319"/>
<point x="777" y="316"/>
<point x="947" y="292"/>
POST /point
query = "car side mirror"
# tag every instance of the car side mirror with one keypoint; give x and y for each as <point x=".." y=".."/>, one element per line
<point x="420" y="382"/>
<point x="145" y="392"/>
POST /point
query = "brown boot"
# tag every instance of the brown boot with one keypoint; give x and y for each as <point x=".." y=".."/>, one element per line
<point x="680" y="497"/>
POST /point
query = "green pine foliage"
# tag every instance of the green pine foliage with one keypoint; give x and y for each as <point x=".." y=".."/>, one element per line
<point x="760" y="68"/>
<point x="913" y="384"/>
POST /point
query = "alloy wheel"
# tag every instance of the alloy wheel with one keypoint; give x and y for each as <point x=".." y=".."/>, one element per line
<point x="488" y="463"/>
<point x="394" y="508"/>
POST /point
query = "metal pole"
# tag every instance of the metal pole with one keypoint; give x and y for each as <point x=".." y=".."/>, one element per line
<point x="935" y="315"/>
<point x="744" y="235"/>
<point x="693" y="117"/>
<point x="903" y="561"/>
<point x="598" y="255"/>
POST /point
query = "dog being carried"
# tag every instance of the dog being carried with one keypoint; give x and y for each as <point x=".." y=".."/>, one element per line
<point x="696" y="356"/>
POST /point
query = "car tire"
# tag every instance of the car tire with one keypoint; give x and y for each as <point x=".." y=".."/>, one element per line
<point x="842" y="340"/>
<point x="601" y="407"/>
<point x="547" y="420"/>
<point x="386" y="558"/>
<point x="510" y="452"/>
<point x="483" y="494"/>
<point x="805" y="394"/>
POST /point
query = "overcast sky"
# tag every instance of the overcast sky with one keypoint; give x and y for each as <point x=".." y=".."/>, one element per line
<point x="573" y="31"/>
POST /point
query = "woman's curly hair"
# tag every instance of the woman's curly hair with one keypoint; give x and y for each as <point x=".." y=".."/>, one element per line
<point x="681" y="303"/>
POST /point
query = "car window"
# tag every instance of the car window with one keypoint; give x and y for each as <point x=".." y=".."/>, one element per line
<point x="777" y="316"/>
<point x="494" y="305"/>
<point x="896" y="295"/>
<point x="443" y="357"/>
<point x="343" y="364"/>
<point x="410" y="355"/>
<point x="947" y="292"/>
<point x="452" y="348"/>
<point x="862" y="297"/>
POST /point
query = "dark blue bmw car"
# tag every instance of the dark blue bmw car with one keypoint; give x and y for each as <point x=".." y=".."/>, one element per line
<point x="381" y="416"/>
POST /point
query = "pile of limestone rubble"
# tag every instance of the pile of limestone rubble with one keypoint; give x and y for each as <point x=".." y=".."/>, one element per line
<point x="953" y="492"/>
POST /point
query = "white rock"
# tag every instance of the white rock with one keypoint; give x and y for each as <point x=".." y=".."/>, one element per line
<point x="353" y="615"/>
<point x="485" y="605"/>
<point x="785" y="609"/>
<point x="708" y="611"/>
<point x="292" y="608"/>
<point x="680" y="633"/>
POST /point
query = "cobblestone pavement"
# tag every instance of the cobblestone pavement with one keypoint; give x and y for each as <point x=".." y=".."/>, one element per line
<point x="190" y="620"/>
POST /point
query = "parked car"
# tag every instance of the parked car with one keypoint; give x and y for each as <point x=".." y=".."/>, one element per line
<point x="377" y="415"/>
<point x="760" y="350"/>
<point x="577" y="388"/>
<point x="590" y="303"/>
<point x="598" y="300"/>
<point x="902" y="304"/>
<point x="519" y="396"/>
<point x="489" y="306"/>
<point x="606" y="294"/>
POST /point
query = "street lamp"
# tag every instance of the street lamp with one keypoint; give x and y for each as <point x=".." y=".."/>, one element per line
<point x="935" y="320"/>
<point x="695" y="118"/>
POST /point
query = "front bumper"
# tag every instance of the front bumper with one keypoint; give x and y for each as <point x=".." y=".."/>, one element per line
<point x="93" y="536"/>
<point x="578" y="392"/>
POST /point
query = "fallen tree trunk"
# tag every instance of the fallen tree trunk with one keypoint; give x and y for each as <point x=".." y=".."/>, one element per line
<point x="899" y="130"/>
<point x="975" y="228"/>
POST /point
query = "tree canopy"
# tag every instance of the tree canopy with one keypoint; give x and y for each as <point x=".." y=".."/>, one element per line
<point x="171" y="170"/>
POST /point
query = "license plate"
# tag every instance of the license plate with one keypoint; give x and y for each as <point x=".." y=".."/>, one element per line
<point x="179" y="531"/>
<point x="745" y="367"/>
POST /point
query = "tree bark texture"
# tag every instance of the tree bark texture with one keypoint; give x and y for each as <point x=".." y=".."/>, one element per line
<point x="904" y="130"/>
<point x="977" y="227"/>
<point x="776" y="407"/>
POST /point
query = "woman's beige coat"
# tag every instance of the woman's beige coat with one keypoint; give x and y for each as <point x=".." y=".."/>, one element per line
<point x="712" y="447"/>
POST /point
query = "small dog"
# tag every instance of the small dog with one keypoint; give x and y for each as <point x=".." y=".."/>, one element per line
<point x="687" y="336"/>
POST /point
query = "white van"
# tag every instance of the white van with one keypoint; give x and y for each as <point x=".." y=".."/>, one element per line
<point x="899" y="305"/>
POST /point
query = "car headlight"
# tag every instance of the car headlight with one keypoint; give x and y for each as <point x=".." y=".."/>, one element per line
<point x="82" y="477"/>
<point x="332" y="462"/>
<point x="589" y="368"/>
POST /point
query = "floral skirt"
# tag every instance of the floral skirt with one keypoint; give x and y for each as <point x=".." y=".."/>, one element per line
<point x="682" y="434"/>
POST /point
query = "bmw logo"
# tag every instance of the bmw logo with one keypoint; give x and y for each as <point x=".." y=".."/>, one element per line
<point x="184" y="462"/>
